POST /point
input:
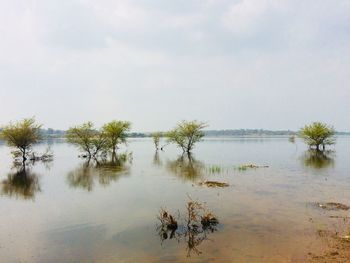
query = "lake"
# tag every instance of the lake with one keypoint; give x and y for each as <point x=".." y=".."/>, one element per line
<point x="69" y="210"/>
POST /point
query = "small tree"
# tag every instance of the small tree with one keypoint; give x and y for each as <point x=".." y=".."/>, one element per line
<point x="22" y="135"/>
<point x="317" y="134"/>
<point x="156" y="139"/>
<point x="116" y="133"/>
<point x="87" y="138"/>
<point x="186" y="134"/>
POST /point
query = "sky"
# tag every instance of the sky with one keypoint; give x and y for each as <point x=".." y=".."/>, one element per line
<point x="270" y="64"/>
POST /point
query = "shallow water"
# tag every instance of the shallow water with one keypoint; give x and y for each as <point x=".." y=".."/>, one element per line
<point x="71" y="211"/>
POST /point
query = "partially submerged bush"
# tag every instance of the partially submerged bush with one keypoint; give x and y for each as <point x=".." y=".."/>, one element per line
<point x="22" y="135"/>
<point x="46" y="156"/>
<point x="198" y="222"/>
<point x="318" y="134"/>
<point x="156" y="138"/>
<point x="88" y="139"/>
<point x="186" y="134"/>
<point x="208" y="220"/>
<point x="115" y="133"/>
<point x="167" y="220"/>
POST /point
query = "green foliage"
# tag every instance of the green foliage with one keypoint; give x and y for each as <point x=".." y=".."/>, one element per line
<point x="317" y="134"/>
<point x="186" y="134"/>
<point x="156" y="138"/>
<point x="87" y="138"/>
<point x="22" y="135"/>
<point x="116" y="133"/>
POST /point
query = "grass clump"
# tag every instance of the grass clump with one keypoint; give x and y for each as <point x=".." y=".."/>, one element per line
<point x="215" y="169"/>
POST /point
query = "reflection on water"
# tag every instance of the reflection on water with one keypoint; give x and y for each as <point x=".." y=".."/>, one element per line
<point x="186" y="167"/>
<point x="105" y="171"/>
<point x="156" y="159"/>
<point x="318" y="159"/>
<point x="22" y="183"/>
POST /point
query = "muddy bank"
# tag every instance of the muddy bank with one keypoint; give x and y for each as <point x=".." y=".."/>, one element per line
<point x="337" y="237"/>
<point x="339" y="251"/>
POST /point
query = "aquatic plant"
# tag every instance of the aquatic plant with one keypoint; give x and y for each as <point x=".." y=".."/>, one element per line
<point x="214" y="169"/>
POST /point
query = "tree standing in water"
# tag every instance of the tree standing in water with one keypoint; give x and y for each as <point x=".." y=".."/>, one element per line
<point x="186" y="134"/>
<point x="88" y="139"/>
<point x="116" y="133"/>
<point x="156" y="139"/>
<point x="318" y="134"/>
<point x="22" y="135"/>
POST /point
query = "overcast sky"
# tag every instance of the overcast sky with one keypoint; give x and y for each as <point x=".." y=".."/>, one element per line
<point x="269" y="64"/>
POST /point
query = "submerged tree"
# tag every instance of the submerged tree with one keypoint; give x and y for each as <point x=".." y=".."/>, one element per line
<point x="22" y="135"/>
<point x="88" y="139"/>
<point x="116" y="133"/>
<point x="156" y="139"/>
<point x="318" y="134"/>
<point x="186" y="134"/>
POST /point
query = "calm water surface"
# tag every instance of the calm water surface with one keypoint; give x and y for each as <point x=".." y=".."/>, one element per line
<point x="72" y="211"/>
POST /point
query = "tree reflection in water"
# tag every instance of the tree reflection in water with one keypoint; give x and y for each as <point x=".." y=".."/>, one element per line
<point x="186" y="167"/>
<point x="105" y="171"/>
<point x="156" y="159"/>
<point x="318" y="159"/>
<point x="22" y="183"/>
<point x="198" y="224"/>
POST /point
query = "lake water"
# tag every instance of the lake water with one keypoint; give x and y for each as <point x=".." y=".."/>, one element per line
<point x="71" y="211"/>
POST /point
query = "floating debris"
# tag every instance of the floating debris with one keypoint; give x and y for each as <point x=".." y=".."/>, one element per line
<point x="245" y="167"/>
<point x="333" y="206"/>
<point x="214" y="184"/>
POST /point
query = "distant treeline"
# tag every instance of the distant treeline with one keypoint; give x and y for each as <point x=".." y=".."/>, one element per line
<point x="247" y="132"/>
<point x="255" y="132"/>
<point x="209" y="133"/>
